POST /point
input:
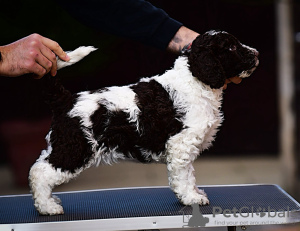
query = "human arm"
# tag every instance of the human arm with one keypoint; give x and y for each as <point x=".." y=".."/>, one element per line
<point x="32" y="54"/>
<point x="135" y="19"/>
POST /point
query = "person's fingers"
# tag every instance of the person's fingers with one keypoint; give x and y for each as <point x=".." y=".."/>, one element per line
<point x="38" y="71"/>
<point x="37" y="63"/>
<point x="43" y="61"/>
<point x="55" y="47"/>
<point x="51" y="57"/>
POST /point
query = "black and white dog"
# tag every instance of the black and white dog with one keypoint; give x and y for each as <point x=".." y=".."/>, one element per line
<point x="169" y="118"/>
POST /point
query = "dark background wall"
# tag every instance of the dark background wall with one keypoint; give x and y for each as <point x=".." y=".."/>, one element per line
<point x="250" y="109"/>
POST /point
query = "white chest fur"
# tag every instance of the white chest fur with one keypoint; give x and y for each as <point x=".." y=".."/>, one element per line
<point x="198" y="102"/>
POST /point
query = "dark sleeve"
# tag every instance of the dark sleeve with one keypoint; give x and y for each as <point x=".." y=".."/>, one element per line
<point x="135" y="19"/>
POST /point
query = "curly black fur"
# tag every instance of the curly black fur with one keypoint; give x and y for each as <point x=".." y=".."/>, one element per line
<point x="205" y="66"/>
<point x="217" y="56"/>
<point x="70" y="147"/>
<point x="113" y="130"/>
<point x="158" y="119"/>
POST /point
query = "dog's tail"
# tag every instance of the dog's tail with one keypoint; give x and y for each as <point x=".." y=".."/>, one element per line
<point x="59" y="99"/>
<point x="75" y="56"/>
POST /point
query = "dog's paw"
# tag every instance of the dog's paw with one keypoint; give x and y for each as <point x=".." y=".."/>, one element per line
<point x="54" y="209"/>
<point x="200" y="191"/>
<point x="204" y="200"/>
<point x="195" y="198"/>
<point x="50" y="208"/>
<point x="56" y="199"/>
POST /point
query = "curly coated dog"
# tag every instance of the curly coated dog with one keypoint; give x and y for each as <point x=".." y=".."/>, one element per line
<point x="169" y="118"/>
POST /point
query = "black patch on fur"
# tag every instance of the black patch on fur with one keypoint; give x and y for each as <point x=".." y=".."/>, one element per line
<point x="215" y="57"/>
<point x="70" y="149"/>
<point x="98" y="90"/>
<point x="113" y="130"/>
<point x="205" y="66"/>
<point x="158" y="120"/>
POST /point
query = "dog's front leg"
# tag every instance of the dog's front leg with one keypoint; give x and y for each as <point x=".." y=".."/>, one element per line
<point x="183" y="182"/>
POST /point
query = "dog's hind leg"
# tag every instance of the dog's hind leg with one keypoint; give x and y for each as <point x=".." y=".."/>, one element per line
<point x="43" y="177"/>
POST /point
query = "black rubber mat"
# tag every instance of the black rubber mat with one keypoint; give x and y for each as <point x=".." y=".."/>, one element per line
<point x="145" y="202"/>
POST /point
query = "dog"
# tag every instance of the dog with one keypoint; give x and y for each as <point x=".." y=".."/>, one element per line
<point x="169" y="118"/>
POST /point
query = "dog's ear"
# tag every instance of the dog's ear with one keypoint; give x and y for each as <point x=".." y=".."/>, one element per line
<point x="205" y="66"/>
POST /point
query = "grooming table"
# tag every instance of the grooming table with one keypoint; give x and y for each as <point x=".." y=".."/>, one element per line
<point x="154" y="208"/>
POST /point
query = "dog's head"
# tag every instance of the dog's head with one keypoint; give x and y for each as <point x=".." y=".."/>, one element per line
<point x="217" y="55"/>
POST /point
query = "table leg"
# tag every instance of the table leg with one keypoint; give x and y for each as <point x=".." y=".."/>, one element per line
<point x="231" y="228"/>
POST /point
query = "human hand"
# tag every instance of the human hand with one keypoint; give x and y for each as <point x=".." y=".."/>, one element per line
<point x="183" y="37"/>
<point x="33" y="54"/>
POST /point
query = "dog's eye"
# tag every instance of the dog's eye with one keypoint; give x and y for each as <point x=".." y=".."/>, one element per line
<point x="232" y="48"/>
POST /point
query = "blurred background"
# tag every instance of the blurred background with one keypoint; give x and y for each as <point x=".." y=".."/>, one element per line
<point x="258" y="142"/>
